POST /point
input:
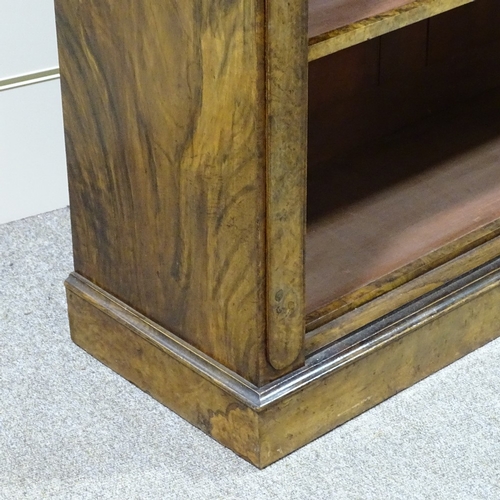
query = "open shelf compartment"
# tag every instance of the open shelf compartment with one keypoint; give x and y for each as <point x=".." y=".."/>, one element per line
<point x="411" y="178"/>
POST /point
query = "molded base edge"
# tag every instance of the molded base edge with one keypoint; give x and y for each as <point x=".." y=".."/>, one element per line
<point x="263" y="424"/>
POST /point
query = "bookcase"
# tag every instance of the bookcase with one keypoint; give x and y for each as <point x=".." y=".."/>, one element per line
<point x="283" y="212"/>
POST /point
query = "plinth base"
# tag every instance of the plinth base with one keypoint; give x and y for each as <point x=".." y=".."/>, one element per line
<point x="263" y="424"/>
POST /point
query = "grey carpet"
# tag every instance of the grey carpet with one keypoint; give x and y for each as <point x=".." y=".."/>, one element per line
<point x="72" y="429"/>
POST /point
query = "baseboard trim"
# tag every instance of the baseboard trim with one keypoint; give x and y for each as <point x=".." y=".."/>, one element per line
<point x="29" y="79"/>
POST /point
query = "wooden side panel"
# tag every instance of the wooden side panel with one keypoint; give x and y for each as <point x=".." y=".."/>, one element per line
<point x="286" y="178"/>
<point x="164" y="116"/>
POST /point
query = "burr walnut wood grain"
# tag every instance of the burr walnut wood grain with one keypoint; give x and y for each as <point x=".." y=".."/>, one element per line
<point x="286" y="179"/>
<point x="120" y="342"/>
<point x="165" y="111"/>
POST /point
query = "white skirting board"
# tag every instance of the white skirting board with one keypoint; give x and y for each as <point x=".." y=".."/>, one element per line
<point x="32" y="156"/>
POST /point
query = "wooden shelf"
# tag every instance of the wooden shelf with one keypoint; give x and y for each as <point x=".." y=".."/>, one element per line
<point x="337" y="24"/>
<point x="423" y="189"/>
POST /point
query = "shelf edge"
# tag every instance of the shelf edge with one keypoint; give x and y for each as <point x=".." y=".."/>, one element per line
<point x="353" y="34"/>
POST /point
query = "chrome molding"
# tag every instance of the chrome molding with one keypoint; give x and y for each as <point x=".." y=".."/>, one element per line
<point x="374" y="336"/>
<point x="29" y="79"/>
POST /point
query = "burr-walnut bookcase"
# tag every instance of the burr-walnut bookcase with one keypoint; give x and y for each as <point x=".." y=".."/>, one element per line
<point x="283" y="212"/>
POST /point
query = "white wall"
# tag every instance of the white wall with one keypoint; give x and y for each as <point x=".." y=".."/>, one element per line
<point x="27" y="36"/>
<point x="32" y="157"/>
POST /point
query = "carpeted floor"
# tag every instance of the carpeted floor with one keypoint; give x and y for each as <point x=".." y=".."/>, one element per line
<point x="72" y="429"/>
